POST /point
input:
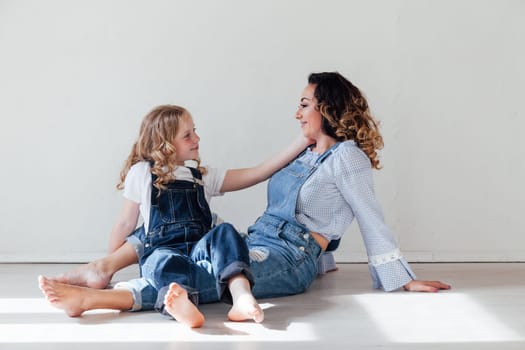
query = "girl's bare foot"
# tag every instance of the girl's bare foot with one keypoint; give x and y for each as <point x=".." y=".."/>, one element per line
<point x="177" y="304"/>
<point x="63" y="296"/>
<point x="246" y="308"/>
<point x="75" y="300"/>
<point x="98" y="274"/>
<point x="93" y="275"/>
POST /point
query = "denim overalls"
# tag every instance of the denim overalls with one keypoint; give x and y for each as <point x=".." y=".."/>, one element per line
<point x="283" y="254"/>
<point x="180" y="247"/>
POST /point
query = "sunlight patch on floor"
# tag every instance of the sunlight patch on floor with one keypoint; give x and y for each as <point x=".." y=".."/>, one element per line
<point x="164" y="331"/>
<point x="434" y="318"/>
<point x="106" y="326"/>
<point x="26" y="306"/>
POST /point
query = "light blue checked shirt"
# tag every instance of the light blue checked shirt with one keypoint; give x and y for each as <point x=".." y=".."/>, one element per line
<point x="340" y="190"/>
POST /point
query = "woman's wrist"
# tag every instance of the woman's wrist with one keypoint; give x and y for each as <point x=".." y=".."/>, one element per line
<point x="406" y="287"/>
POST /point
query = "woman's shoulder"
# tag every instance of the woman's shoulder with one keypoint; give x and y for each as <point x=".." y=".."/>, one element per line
<point x="349" y="157"/>
<point x="350" y="149"/>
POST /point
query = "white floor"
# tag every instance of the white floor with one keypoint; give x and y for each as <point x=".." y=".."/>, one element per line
<point x="484" y="310"/>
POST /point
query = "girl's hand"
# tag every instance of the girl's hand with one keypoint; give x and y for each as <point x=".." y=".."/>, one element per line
<point x="425" y="286"/>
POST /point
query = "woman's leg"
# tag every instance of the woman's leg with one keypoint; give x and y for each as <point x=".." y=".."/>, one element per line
<point x="75" y="300"/>
<point x="283" y="261"/>
<point x="97" y="274"/>
<point x="245" y="306"/>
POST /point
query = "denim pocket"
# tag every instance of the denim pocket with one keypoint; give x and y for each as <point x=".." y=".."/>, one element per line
<point x="297" y="170"/>
<point x="175" y="235"/>
<point x="177" y="205"/>
<point x="296" y="254"/>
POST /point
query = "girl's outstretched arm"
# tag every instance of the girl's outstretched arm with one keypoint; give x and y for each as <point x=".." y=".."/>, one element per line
<point x="237" y="179"/>
<point x="125" y="224"/>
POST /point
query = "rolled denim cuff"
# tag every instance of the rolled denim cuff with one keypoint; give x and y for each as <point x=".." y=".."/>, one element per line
<point x="136" y="243"/>
<point x="137" y="297"/>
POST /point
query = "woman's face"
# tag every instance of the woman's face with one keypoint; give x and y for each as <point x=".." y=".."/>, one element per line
<point x="308" y="114"/>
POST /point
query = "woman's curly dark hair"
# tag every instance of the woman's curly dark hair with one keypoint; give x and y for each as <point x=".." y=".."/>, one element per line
<point x="345" y="113"/>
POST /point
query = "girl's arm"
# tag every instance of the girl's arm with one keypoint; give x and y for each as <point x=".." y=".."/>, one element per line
<point x="237" y="179"/>
<point x="125" y="224"/>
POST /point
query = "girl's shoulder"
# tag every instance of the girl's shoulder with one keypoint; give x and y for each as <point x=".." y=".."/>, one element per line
<point x="139" y="169"/>
<point x="140" y="166"/>
<point x="212" y="172"/>
<point x="213" y="180"/>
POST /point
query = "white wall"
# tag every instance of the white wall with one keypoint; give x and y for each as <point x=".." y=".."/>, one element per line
<point x="444" y="77"/>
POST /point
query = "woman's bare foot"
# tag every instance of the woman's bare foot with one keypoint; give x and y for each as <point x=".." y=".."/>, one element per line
<point x="63" y="296"/>
<point x="177" y="304"/>
<point x="93" y="275"/>
<point x="246" y="308"/>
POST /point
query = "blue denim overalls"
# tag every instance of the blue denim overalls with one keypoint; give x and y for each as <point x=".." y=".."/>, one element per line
<point x="180" y="247"/>
<point x="283" y="254"/>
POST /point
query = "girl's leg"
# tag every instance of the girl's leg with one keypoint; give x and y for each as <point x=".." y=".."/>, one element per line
<point x="168" y="270"/>
<point x="97" y="274"/>
<point x="179" y="306"/>
<point x="227" y="273"/>
<point x="75" y="300"/>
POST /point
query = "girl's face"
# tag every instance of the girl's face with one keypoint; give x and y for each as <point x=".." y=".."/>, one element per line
<point x="186" y="141"/>
<point x="308" y="115"/>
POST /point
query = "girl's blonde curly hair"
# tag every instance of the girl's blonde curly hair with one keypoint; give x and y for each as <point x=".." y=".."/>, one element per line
<point x="345" y="113"/>
<point x="155" y="144"/>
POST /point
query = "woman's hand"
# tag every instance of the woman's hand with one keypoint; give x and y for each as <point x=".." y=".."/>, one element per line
<point x="425" y="286"/>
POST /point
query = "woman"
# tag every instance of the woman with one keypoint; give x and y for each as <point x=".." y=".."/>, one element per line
<point x="311" y="202"/>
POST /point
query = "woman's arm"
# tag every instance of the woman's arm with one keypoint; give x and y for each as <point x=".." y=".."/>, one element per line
<point x="425" y="286"/>
<point x="126" y="222"/>
<point x="389" y="268"/>
<point x="237" y="179"/>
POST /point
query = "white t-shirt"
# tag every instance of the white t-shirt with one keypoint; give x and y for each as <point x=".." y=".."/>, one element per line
<point x="137" y="185"/>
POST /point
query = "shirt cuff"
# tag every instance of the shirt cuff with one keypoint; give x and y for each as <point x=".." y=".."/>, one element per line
<point x="391" y="274"/>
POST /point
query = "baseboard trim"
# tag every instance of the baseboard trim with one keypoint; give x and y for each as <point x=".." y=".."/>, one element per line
<point x="341" y="257"/>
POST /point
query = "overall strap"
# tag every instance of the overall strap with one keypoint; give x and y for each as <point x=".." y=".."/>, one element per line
<point x="196" y="173"/>
<point x="327" y="153"/>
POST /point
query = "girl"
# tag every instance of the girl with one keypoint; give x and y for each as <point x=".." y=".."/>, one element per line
<point x="183" y="261"/>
